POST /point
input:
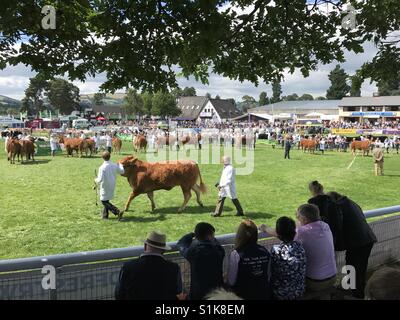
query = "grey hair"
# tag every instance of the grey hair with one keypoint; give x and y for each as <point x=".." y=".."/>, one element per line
<point x="222" y="294"/>
<point x="309" y="211"/>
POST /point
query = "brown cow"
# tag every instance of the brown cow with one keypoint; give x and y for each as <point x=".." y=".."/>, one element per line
<point x="72" y="144"/>
<point x="139" y="143"/>
<point x="13" y="149"/>
<point x="27" y="150"/>
<point x="146" y="177"/>
<point x="360" y="145"/>
<point x="307" y="144"/>
<point x="88" y="146"/>
<point x="117" y="144"/>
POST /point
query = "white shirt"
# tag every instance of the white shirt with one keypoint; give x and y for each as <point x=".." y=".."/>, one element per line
<point x="53" y="144"/>
<point x="5" y="143"/>
<point x="108" y="141"/>
<point x="106" y="178"/>
<point x="227" y="182"/>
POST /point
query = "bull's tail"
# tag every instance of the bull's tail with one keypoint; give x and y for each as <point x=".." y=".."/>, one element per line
<point x="203" y="187"/>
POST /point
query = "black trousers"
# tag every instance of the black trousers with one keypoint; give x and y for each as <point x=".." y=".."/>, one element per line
<point x="108" y="206"/>
<point x="358" y="258"/>
<point x="287" y="153"/>
<point x="220" y="206"/>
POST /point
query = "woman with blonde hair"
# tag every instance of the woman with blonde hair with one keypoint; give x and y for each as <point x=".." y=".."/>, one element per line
<point x="248" y="268"/>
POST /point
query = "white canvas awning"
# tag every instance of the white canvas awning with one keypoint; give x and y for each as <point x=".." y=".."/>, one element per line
<point x="283" y="116"/>
<point x="314" y="115"/>
<point x="265" y="116"/>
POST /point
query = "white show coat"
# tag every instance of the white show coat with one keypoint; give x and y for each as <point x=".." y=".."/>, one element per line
<point x="5" y="143"/>
<point x="227" y="182"/>
<point x="96" y="142"/>
<point x="107" y="177"/>
<point x="53" y="144"/>
<point x="108" y="141"/>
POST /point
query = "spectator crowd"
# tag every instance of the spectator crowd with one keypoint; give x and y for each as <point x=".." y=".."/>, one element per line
<point x="301" y="266"/>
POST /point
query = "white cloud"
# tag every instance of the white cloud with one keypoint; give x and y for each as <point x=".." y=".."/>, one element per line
<point x="15" y="79"/>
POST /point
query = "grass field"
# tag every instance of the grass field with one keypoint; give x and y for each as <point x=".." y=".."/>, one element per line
<point x="48" y="207"/>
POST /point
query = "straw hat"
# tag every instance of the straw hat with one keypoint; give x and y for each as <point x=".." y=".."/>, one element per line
<point x="157" y="240"/>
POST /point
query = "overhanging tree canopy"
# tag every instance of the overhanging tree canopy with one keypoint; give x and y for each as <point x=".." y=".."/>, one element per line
<point x="141" y="43"/>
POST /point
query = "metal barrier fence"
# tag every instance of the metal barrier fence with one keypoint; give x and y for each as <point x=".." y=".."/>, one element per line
<point x="92" y="275"/>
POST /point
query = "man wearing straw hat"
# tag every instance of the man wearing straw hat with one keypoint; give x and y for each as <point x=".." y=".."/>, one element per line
<point x="227" y="188"/>
<point x="151" y="277"/>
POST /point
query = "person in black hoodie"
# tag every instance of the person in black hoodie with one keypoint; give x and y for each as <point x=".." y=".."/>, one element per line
<point x="206" y="257"/>
<point x="248" y="272"/>
<point x="358" y="239"/>
<point x="329" y="212"/>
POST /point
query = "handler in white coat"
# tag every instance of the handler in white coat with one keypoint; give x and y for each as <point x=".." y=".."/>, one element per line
<point x="106" y="179"/>
<point x="227" y="188"/>
<point x="53" y="145"/>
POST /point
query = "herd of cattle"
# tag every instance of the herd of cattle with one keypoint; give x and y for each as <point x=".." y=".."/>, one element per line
<point x="25" y="148"/>
<point x="311" y="145"/>
<point x="20" y="148"/>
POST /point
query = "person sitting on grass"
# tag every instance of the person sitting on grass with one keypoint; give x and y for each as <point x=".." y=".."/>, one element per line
<point x="288" y="261"/>
<point x="248" y="272"/>
<point x="317" y="240"/>
<point x="151" y="277"/>
<point x="206" y="257"/>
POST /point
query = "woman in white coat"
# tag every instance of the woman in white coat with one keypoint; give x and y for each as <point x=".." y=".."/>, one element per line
<point x="227" y="188"/>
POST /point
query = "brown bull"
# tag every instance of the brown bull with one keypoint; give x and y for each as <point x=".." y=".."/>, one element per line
<point x="139" y="143"/>
<point x="307" y="144"/>
<point x="117" y="145"/>
<point x="192" y="139"/>
<point x="72" y="144"/>
<point x="146" y="177"/>
<point x="88" y="146"/>
<point x="360" y="145"/>
<point x="13" y="149"/>
<point x="27" y="150"/>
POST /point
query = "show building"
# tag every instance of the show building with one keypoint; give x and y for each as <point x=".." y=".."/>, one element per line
<point x="362" y="109"/>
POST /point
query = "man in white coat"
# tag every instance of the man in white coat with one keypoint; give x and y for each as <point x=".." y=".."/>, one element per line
<point x="53" y="145"/>
<point x="106" y="179"/>
<point x="227" y="188"/>
<point x="108" y="142"/>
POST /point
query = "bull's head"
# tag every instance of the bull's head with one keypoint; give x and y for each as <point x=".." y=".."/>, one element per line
<point x="128" y="163"/>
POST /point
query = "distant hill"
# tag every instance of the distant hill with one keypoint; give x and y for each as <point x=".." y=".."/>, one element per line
<point x="9" y="102"/>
